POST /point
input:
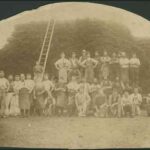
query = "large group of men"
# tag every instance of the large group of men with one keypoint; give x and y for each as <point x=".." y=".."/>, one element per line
<point x="101" y="86"/>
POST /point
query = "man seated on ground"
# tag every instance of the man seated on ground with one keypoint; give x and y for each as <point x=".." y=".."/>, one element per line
<point x="137" y="100"/>
<point x="83" y="99"/>
<point x="72" y="88"/>
<point x="115" y="104"/>
<point x="100" y="104"/>
<point x="127" y="104"/>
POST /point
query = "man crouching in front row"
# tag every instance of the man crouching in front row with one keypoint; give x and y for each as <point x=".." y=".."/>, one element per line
<point x="83" y="99"/>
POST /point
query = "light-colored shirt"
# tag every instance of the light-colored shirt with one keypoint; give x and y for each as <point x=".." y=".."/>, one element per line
<point x="105" y="59"/>
<point x="29" y="84"/>
<point x="93" y="61"/>
<point x="80" y="99"/>
<point x="4" y="83"/>
<point x="135" y="62"/>
<point x="124" y="62"/>
<point x="85" y="87"/>
<point x="126" y="100"/>
<point x="48" y="85"/>
<point x="16" y="86"/>
<point x="62" y="63"/>
<point x="94" y="87"/>
<point x="73" y="86"/>
<point x="74" y="63"/>
<point x="136" y="98"/>
<point x="81" y="59"/>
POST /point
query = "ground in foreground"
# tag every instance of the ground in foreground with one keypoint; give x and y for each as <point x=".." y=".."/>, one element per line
<point x="65" y="132"/>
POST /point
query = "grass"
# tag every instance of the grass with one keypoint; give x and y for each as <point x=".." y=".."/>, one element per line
<point x="64" y="132"/>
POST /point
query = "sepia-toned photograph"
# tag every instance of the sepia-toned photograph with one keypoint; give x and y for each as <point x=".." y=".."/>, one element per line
<point x="75" y="75"/>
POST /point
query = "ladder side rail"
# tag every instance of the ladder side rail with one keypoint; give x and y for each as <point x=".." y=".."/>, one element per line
<point x="45" y="37"/>
<point x="44" y="67"/>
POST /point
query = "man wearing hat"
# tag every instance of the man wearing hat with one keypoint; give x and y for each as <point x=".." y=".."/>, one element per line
<point x="124" y="68"/>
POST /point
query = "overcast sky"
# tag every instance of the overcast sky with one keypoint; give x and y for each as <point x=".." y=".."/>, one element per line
<point x="138" y="26"/>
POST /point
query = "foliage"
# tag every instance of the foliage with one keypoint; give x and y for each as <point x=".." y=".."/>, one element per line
<point x="24" y="46"/>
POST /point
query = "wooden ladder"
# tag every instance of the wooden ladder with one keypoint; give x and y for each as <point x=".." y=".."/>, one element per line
<point x="46" y="45"/>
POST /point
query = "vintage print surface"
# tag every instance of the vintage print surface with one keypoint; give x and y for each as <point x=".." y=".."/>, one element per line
<point x="75" y="75"/>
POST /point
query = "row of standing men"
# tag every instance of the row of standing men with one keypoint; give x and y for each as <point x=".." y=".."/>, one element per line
<point x="100" y="67"/>
<point x="103" y="68"/>
<point x="24" y="96"/>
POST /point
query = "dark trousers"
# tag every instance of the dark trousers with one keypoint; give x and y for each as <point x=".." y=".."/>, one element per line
<point x="134" y="75"/>
<point x="127" y="110"/>
<point x="114" y="71"/>
<point x="71" y="109"/>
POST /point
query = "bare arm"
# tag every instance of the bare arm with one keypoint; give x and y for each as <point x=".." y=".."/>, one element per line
<point x="56" y="65"/>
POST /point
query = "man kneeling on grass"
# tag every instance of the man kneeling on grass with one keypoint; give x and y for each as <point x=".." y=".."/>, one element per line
<point x="100" y="104"/>
<point x="136" y="98"/>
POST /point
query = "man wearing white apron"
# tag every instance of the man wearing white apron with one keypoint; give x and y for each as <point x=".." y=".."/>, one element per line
<point x="82" y="98"/>
<point x="62" y="65"/>
<point x="4" y="86"/>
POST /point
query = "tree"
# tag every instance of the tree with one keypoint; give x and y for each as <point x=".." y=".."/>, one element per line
<point x="24" y="46"/>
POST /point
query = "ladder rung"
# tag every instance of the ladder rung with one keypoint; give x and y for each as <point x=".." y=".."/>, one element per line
<point x="48" y="34"/>
<point x="43" y="54"/>
<point x="45" y="51"/>
<point x="45" y="45"/>
<point x="43" y="57"/>
<point x="47" y="40"/>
